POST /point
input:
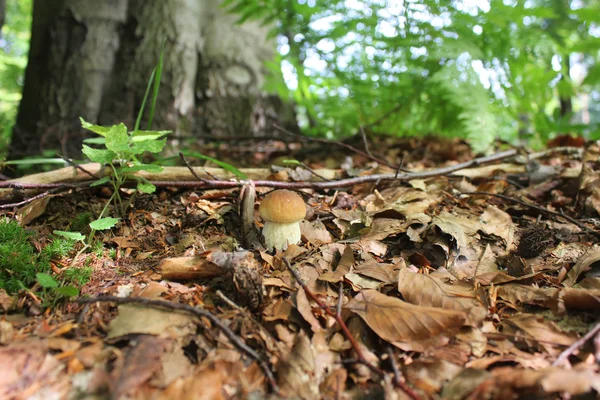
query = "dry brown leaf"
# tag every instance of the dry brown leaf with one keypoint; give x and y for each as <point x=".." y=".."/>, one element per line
<point x="36" y="208"/>
<point x="460" y="225"/>
<point x="405" y="325"/>
<point x="464" y="383"/>
<point x="385" y="273"/>
<point x="345" y="265"/>
<point x="304" y="308"/>
<point x="580" y="299"/>
<point x="141" y="363"/>
<point x="430" y="376"/>
<point x="429" y="291"/>
<point x="139" y="319"/>
<point x="315" y="232"/>
<point x="404" y="200"/>
<point x="538" y="332"/>
<point x="523" y="294"/>
<point x="592" y="256"/>
<point x="550" y="380"/>
<point x="296" y="373"/>
<point x="497" y="222"/>
<point x="381" y="228"/>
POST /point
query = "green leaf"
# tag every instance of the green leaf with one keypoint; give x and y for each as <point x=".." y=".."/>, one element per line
<point x="100" y="130"/>
<point x="70" y="235"/>
<point x="68" y="291"/>
<point x="152" y="146"/>
<point x="146" y="187"/>
<point x="224" y="165"/>
<point x="140" y="136"/>
<point x="34" y="161"/>
<point x="98" y="155"/>
<point x="104" y="223"/>
<point x="117" y="139"/>
<point x="293" y="162"/>
<point x="45" y="280"/>
<point x="142" y="167"/>
<point x="100" y="181"/>
<point x="95" y="140"/>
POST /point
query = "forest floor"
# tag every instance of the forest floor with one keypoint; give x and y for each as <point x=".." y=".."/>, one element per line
<point x="480" y="282"/>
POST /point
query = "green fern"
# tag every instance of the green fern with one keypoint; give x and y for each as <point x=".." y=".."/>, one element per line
<point x="463" y="91"/>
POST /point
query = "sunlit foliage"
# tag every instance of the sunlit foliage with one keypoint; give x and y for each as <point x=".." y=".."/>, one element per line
<point x="14" y="45"/>
<point x="481" y="69"/>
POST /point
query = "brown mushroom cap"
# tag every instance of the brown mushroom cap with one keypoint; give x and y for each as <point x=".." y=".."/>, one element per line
<point x="283" y="207"/>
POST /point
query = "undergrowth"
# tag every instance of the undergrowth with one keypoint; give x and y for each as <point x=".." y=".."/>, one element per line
<point x="22" y="266"/>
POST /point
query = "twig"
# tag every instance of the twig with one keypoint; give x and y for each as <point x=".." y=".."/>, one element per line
<point x="355" y="346"/>
<point x="364" y="139"/>
<point x="24" y="202"/>
<point x="24" y="186"/>
<point x="394" y="365"/>
<point x="333" y="142"/>
<point x="315" y="173"/>
<point x="538" y="208"/>
<point x="79" y="167"/>
<point x="187" y="164"/>
<point x="575" y="346"/>
<point x="338" y="310"/>
<point x="197" y="312"/>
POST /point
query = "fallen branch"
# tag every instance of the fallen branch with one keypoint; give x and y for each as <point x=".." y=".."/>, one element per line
<point x="197" y="312"/>
<point x="188" y="181"/>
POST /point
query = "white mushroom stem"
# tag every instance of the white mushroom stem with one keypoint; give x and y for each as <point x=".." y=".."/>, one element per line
<point x="280" y="236"/>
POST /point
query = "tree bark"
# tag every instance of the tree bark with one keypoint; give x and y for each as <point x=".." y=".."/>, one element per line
<point x="93" y="59"/>
<point x="2" y="14"/>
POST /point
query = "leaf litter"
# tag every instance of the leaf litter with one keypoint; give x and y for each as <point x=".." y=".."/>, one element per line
<point x="464" y="285"/>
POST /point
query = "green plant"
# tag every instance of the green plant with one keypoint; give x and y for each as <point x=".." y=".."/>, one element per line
<point x="484" y="70"/>
<point x="21" y="266"/>
<point x="122" y="152"/>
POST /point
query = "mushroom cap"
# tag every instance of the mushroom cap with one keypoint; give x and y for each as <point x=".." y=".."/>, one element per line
<point x="283" y="207"/>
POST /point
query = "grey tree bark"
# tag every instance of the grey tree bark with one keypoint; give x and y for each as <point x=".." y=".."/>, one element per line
<point x="93" y="59"/>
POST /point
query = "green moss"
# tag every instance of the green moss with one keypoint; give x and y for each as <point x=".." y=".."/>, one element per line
<point x="21" y="264"/>
<point x="18" y="259"/>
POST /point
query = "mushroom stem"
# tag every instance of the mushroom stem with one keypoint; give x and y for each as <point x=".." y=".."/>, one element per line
<point x="280" y="236"/>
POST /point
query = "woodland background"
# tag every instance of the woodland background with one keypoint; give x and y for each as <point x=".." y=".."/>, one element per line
<point x="481" y="70"/>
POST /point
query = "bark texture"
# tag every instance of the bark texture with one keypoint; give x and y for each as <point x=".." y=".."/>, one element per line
<point x="93" y="59"/>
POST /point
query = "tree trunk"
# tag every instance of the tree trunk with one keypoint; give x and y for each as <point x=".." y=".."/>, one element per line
<point x="2" y="14"/>
<point x="93" y="59"/>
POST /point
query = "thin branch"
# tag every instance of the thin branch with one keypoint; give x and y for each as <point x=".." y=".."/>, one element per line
<point x="187" y="164"/>
<point x="395" y="370"/>
<point x="197" y="312"/>
<point x="575" y="346"/>
<point x="24" y="202"/>
<point x="333" y="142"/>
<point x="79" y="167"/>
<point x="25" y="186"/>
<point x="355" y="346"/>
<point x="315" y="173"/>
<point x="335" y="184"/>
<point x="364" y="139"/>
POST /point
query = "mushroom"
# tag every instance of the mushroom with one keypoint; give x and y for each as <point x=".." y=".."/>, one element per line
<point x="282" y="211"/>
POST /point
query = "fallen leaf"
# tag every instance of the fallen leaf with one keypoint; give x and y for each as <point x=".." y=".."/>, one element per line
<point x="151" y="321"/>
<point x="592" y="256"/>
<point x="429" y="291"/>
<point x="405" y="325"/>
